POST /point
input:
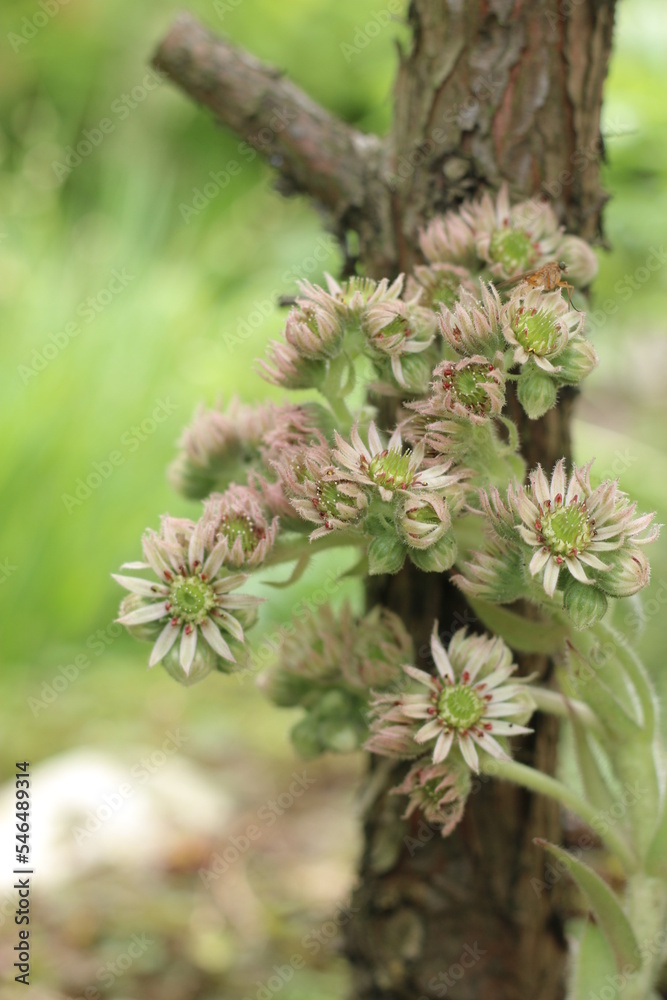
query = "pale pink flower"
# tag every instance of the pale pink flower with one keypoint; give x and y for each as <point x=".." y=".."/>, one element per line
<point x="192" y="596"/>
<point x="236" y="520"/>
<point x="390" y="469"/>
<point x="438" y="791"/>
<point x="466" y="705"/>
<point x="539" y="325"/>
<point x="574" y="527"/>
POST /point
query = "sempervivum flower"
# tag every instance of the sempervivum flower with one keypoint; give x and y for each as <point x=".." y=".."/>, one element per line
<point x="319" y="491"/>
<point x="314" y="330"/>
<point x="474" y="325"/>
<point x="440" y="284"/>
<point x="538" y="325"/>
<point x="466" y="705"/>
<point x="191" y="598"/>
<point x="438" y="791"/>
<point x="217" y="446"/>
<point x="356" y="294"/>
<point x="583" y="530"/>
<point x="472" y="388"/>
<point x="513" y="239"/>
<point x="395" y="329"/>
<point x="448" y="239"/>
<point x="326" y="665"/>
<point x="288" y="368"/>
<point x="390" y="469"/>
<point x="236" y="521"/>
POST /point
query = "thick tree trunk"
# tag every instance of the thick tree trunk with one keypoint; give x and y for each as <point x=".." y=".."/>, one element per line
<point x="491" y="91"/>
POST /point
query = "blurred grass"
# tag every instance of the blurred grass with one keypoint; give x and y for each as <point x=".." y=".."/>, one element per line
<point x="163" y="336"/>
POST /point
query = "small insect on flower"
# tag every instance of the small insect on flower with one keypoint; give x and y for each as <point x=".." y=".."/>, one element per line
<point x="549" y="277"/>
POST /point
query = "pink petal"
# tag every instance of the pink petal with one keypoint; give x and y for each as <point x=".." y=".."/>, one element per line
<point x="211" y="633"/>
<point x="164" y="642"/>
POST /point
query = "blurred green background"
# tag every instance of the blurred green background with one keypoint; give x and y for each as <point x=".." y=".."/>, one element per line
<point x="89" y="356"/>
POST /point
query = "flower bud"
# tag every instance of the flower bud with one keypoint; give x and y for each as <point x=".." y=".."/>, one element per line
<point x="386" y="554"/>
<point x="630" y="571"/>
<point x="204" y="661"/>
<point x="438" y="557"/>
<point x="536" y="391"/>
<point x="582" y="264"/>
<point x="586" y="604"/>
<point x="577" y="361"/>
<point x="305" y="737"/>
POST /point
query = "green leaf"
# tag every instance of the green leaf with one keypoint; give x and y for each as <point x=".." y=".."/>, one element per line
<point x="520" y="633"/>
<point x="593" y="780"/>
<point x="606" y="908"/>
<point x="595" y="963"/>
<point x="656" y="858"/>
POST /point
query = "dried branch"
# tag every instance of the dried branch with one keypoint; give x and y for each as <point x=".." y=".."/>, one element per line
<point x="316" y="153"/>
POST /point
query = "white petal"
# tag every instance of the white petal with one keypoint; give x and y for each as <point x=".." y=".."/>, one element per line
<point x="230" y="623"/>
<point x="196" y="546"/>
<point x="421" y="676"/>
<point x="211" y="633"/>
<point x="188" y="648"/>
<point x="443" y="746"/>
<point x="469" y="752"/>
<point x="146" y="588"/>
<point x="428" y="732"/>
<point x="149" y="613"/>
<point x="539" y="560"/>
<point x="137" y="564"/>
<point x="440" y="657"/>
<point x="558" y="479"/>
<point x="507" y="729"/>
<point x="576" y="569"/>
<point x="491" y="746"/>
<point x="551" y="577"/>
<point x="164" y="642"/>
<point x="215" y="558"/>
<point x="421" y="710"/>
<point x="540" y="486"/>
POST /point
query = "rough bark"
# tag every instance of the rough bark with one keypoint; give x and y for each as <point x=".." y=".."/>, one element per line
<point x="490" y="91"/>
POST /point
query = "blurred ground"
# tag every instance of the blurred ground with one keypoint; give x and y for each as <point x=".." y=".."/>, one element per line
<point x="126" y="296"/>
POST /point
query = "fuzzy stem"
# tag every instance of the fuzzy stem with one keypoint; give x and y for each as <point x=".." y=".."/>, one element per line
<point x="536" y="781"/>
<point x="285" y="552"/>
<point x="557" y="704"/>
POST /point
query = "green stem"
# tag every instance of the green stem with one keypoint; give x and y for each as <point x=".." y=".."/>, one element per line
<point x="536" y="781"/>
<point x="557" y="704"/>
<point x="289" y="551"/>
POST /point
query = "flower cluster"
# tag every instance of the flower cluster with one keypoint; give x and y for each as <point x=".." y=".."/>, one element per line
<point x="534" y="329"/>
<point x="465" y="706"/>
<point x="386" y="493"/>
<point x="328" y="330"/>
<point x="190" y="603"/>
<point x="500" y="241"/>
<point x="327" y="665"/>
<point x="438" y="791"/>
<point x="221" y="446"/>
<point x="585" y="541"/>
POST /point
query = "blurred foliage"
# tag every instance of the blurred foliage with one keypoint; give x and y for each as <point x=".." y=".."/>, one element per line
<point x="188" y="282"/>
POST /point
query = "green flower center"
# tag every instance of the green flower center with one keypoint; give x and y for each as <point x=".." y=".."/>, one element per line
<point x="191" y="599"/>
<point x="537" y="332"/>
<point x="566" y="529"/>
<point x="513" y="249"/>
<point x="460" y="706"/>
<point x="398" y="327"/>
<point x="467" y="386"/>
<point x="241" y="526"/>
<point x="365" y="287"/>
<point x="391" y="469"/>
<point x="328" y="496"/>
